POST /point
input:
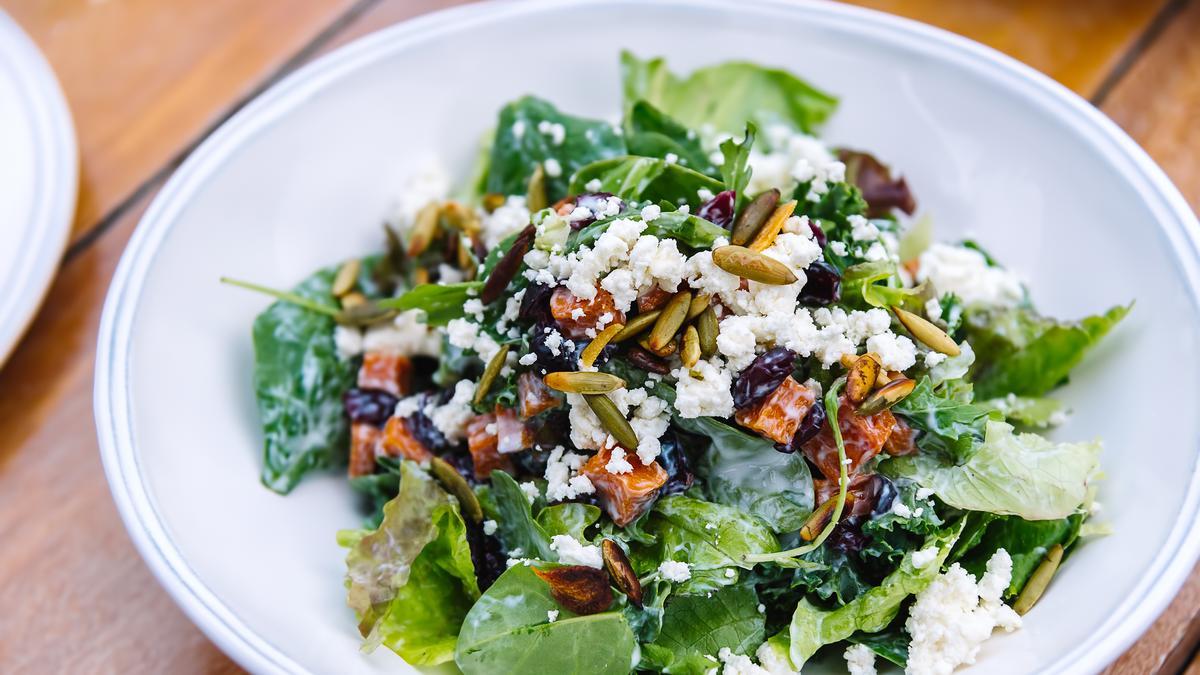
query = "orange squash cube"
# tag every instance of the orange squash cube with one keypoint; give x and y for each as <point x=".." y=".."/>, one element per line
<point x="511" y="433"/>
<point x="779" y="414"/>
<point x="482" y="444"/>
<point x="398" y="441"/>
<point x="902" y="440"/>
<point x="576" y="315"/>
<point x="364" y="442"/>
<point x="863" y="437"/>
<point x="534" y="396"/>
<point x="625" y="496"/>
<point x="860" y="493"/>
<point x="388" y="371"/>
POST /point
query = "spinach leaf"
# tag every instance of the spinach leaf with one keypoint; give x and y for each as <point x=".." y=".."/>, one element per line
<point x="570" y="519"/>
<point x="747" y="472"/>
<point x="379" y="488"/>
<point x="1026" y="543"/>
<point x="520" y="146"/>
<point x="951" y="427"/>
<point x="423" y="619"/>
<point x="1010" y="474"/>
<point x="514" y="518"/>
<point x="299" y="380"/>
<point x="646" y="621"/>
<point x="508" y="631"/>
<point x="640" y="179"/>
<point x="891" y="644"/>
<point x="727" y="95"/>
<point x="651" y="133"/>
<point x="440" y="302"/>
<point x="698" y="625"/>
<point x="813" y="627"/>
<point x="1022" y="353"/>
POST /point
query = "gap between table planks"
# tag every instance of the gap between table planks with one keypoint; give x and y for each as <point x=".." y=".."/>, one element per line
<point x="76" y="596"/>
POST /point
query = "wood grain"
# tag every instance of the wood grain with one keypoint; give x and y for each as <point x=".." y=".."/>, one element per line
<point x="144" y="78"/>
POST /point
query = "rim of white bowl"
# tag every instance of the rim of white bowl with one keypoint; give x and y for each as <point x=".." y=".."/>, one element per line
<point x="56" y="183"/>
<point x="1173" y="217"/>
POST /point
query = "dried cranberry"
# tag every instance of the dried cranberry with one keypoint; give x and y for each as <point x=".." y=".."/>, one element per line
<point x="371" y="406"/>
<point x="885" y="492"/>
<point x="847" y="536"/>
<point x="597" y="203"/>
<point x="547" y="359"/>
<point x="675" y="461"/>
<point x="463" y="464"/>
<point x="422" y="429"/>
<point x="822" y="285"/>
<point x="487" y="554"/>
<point x="810" y="426"/>
<point x="647" y="361"/>
<point x="535" y="304"/>
<point x="719" y="209"/>
<point x="531" y="463"/>
<point x="817" y="233"/>
<point x="763" y="376"/>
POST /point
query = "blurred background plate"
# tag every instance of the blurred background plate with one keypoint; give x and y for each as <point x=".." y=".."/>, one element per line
<point x="39" y="172"/>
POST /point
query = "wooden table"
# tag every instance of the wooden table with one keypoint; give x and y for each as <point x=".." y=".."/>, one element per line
<point x="148" y="79"/>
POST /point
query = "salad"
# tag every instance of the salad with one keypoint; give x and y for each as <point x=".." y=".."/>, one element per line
<point x="691" y="392"/>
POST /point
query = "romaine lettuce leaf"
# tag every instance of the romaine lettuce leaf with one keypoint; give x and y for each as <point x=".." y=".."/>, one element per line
<point x="650" y="132"/>
<point x="697" y="627"/>
<point x="640" y="179"/>
<point x="1030" y="411"/>
<point x="951" y="427"/>
<point x="1010" y="474"/>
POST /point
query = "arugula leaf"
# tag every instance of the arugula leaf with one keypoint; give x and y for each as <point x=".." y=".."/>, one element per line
<point x="1020" y="352"/>
<point x="726" y="95"/>
<point x="747" y="472"/>
<point x="570" y="519"/>
<point x="639" y="179"/>
<point x="698" y="625"/>
<point x="509" y="507"/>
<point x="440" y="302"/>
<point x="951" y="427"/>
<point x="812" y="627"/>
<point x="508" y="631"/>
<point x="1010" y="474"/>
<point x="736" y="170"/>
<point x="423" y="619"/>
<point x="520" y="146"/>
<point x="652" y="133"/>
<point x="1026" y="542"/>
<point x="299" y="380"/>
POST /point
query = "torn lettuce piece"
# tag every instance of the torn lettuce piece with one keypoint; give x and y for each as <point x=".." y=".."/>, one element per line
<point x="652" y="133"/>
<point x="950" y="427"/>
<point x="697" y="627"/>
<point x="645" y="179"/>
<point x="1030" y="411"/>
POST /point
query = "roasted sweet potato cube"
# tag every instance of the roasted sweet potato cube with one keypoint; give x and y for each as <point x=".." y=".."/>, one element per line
<point x="902" y="441"/>
<point x="364" y="442"/>
<point x="398" y="441"/>
<point x="625" y="496"/>
<point x="511" y="433"/>
<point x="862" y="492"/>
<point x="576" y="315"/>
<point x="534" y="396"/>
<point x="388" y="371"/>
<point x="482" y="443"/>
<point x="863" y="436"/>
<point x="779" y="414"/>
<point x="653" y="299"/>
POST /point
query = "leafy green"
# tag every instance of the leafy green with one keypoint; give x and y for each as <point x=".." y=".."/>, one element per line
<point x="299" y="380"/>
<point x="423" y="619"/>
<point x="891" y="644"/>
<point x="726" y="96"/>
<point x="747" y="472"/>
<point x="1025" y="541"/>
<point x="379" y="487"/>
<point x="509" y="507"/>
<point x="812" y="627"/>
<point x="1030" y="411"/>
<point x="890" y="536"/>
<point x="685" y="228"/>
<point x="646" y="621"/>
<point x="698" y="625"/>
<point x="440" y="302"/>
<point x="570" y="519"/>
<point x="1020" y="352"/>
<point x="652" y="179"/>
<point x="380" y="562"/>
<point x="508" y="631"/>
<point x="1010" y="474"/>
<point x="951" y="427"/>
<point x="519" y="147"/>
<point x="650" y="132"/>
<point x="736" y="169"/>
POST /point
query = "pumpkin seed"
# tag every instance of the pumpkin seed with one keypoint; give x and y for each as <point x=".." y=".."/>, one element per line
<point x="420" y="276"/>
<point x="597" y="345"/>
<point x="669" y="322"/>
<point x="612" y="420"/>
<point x="346" y="278"/>
<point x="751" y="219"/>
<point x="691" y="347"/>
<point x="490" y="373"/>
<point x="456" y="216"/>
<point x="572" y="382"/>
<point x="699" y="304"/>
<point x="862" y="377"/>
<point x="1037" y="583"/>
<point x="928" y="334"/>
<point x="492" y="201"/>
<point x="535" y="194"/>
<point x="507" y="267"/>
<point x="766" y="236"/>
<point x="423" y="229"/>
<point x="707" y="328"/>
<point x="752" y="265"/>
<point x="664" y="352"/>
<point x="456" y="485"/>
<point x="636" y="325"/>
<point x="366" y="313"/>
<point x="886" y="396"/>
<point x="353" y="299"/>
<point x="579" y="588"/>
<point x="616" y="563"/>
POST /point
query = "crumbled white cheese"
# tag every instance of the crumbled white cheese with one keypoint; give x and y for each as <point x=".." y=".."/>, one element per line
<point x="671" y="158"/>
<point x="649" y="421"/>
<point x="730" y="573"/>
<point x="552" y="167"/>
<point x="451" y="418"/>
<point x="900" y="509"/>
<point x="792" y="158"/>
<point x="408" y="405"/>
<point x="860" y="660"/>
<point x="651" y="212"/>
<point x="407" y="334"/>
<point x="552" y="615"/>
<point x="348" y="340"/>
<point x="531" y="490"/>
<point x="924" y="493"/>
<point x="572" y="552"/>
<point x="448" y="274"/>
<point x="965" y="272"/>
<point x="593" y="185"/>
<point x="738" y="664"/>
<point x="511" y="216"/>
<point x="934" y="358"/>
<point x="489" y="527"/>
<point x="562" y="476"/>
<point x="672" y="570"/>
<point x="554" y="130"/>
<point x="430" y="184"/>
<point x="896" y="351"/>
<point x="862" y="229"/>
<point x="528" y="359"/>
<point x="617" y="462"/>
<point x="518" y="129"/>
<point x="838" y="247"/>
<point x="923" y="557"/>
<point x="703" y="390"/>
<point x="466" y="334"/>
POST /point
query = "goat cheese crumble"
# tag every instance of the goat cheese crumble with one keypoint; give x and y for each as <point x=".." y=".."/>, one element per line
<point x="572" y="552"/>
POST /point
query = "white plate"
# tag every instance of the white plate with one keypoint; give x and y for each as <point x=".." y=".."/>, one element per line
<point x="39" y="172"/>
<point x="303" y="176"/>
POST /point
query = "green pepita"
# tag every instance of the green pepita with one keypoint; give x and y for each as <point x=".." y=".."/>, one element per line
<point x="743" y="262"/>
<point x="1040" y="579"/>
<point x="691" y="347"/>
<point x="636" y="325"/>
<point x="613" y="421"/>
<point x="707" y="328"/>
<point x="864" y="372"/>
<point x="490" y="373"/>
<point x="752" y="217"/>
<point x="424" y="227"/>
<point x="456" y="485"/>
<point x="535" y="193"/>
<point x="346" y="278"/>
<point x="926" y="332"/>
<point x="572" y="382"/>
<point x="886" y="396"/>
<point x="669" y="322"/>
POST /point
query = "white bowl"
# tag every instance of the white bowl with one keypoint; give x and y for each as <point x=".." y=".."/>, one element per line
<point x="303" y="176"/>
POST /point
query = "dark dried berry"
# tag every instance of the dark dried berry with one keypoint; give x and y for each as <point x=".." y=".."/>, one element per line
<point x="463" y="464"/>
<point x="647" y="361"/>
<point x="817" y="232"/>
<point x="535" y="304"/>
<point x="508" y="266"/>
<point x="822" y="285"/>
<point x="547" y="360"/>
<point x="763" y="376"/>
<point x="422" y="429"/>
<point x="579" y="588"/>
<point x="531" y="463"/>
<point x="675" y="461"/>
<point x="550" y="428"/>
<point x="847" y="536"/>
<point x="719" y="209"/>
<point x="487" y="554"/>
<point x="597" y="203"/>
<point x="809" y="427"/>
<point x="371" y="406"/>
<point x="884" y="492"/>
